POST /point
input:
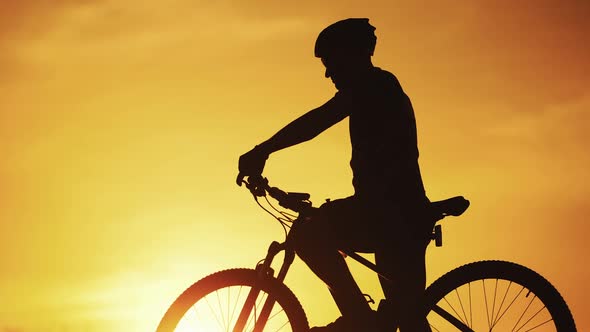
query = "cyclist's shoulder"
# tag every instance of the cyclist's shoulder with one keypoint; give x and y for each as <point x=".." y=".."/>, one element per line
<point x="378" y="83"/>
<point x="385" y="77"/>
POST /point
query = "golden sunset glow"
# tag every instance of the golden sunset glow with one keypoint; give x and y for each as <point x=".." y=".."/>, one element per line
<point x="121" y="124"/>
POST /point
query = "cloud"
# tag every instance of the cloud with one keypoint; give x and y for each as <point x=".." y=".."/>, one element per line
<point x="115" y="26"/>
<point x="540" y="154"/>
<point x="566" y="125"/>
<point x="120" y="36"/>
<point x="524" y="53"/>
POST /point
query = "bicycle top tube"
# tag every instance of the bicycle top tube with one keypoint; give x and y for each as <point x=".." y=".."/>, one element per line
<point x="299" y="202"/>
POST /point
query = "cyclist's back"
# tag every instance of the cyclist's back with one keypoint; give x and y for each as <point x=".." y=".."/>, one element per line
<point x="383" y="137"/>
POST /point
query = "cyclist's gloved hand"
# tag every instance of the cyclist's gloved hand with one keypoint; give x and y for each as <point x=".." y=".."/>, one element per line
<point x="251" y="163"/>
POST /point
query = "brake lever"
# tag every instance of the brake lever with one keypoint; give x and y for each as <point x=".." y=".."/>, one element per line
<point x="277" y="194"/>
<point x="257" y="185"/>
<point x="240" y="180"/>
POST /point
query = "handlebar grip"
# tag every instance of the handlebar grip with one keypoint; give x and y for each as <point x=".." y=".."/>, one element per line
<point x="277" y="193"/>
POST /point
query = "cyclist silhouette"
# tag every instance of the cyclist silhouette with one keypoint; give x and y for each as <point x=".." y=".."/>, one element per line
<point x="387" y="213"/>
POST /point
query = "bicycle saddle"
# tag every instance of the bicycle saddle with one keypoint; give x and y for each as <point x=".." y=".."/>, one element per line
<point x="454" y="206"/>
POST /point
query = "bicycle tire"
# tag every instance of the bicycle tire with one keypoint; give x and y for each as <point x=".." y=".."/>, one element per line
<point x="224" y="281"/>
<point x="450" y="286"/>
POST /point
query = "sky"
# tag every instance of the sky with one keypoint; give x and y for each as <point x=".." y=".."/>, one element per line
<point x="121" y="123"/>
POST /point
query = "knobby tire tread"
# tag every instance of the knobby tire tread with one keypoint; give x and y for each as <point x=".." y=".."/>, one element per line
<point x="495" y="269"/>
<point x="235" y="277"/>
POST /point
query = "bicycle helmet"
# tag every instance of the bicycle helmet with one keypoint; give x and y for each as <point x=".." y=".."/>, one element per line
<point x="349" y="36"/>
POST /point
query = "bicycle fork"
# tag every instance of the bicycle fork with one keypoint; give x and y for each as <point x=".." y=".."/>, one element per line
<point x="265" y="271"/>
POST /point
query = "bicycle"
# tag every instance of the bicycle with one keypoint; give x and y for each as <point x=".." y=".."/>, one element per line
<point x="515" y="297"/>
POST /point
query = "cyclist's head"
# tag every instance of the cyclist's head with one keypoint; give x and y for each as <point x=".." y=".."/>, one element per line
<point x="345" y="48"/>
<point x="353" y="37"/>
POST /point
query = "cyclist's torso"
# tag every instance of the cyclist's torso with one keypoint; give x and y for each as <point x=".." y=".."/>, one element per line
<point x="384" y="141"/>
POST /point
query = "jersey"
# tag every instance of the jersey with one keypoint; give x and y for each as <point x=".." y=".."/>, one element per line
<point x="383" y="135"/>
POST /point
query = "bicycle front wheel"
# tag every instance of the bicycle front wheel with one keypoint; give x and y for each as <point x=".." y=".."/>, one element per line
<point x="496" y="296"/>
<point x="234" y="301"/>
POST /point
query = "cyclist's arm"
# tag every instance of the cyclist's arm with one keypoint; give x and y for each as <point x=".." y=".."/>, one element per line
<point x="307" y="126"/>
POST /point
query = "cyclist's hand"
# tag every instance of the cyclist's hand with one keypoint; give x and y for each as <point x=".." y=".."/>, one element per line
<point x="251" y="164"/>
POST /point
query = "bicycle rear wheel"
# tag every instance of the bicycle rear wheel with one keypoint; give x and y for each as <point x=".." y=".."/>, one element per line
<point x="496" y="296"/>
<point x="219" y="302"/>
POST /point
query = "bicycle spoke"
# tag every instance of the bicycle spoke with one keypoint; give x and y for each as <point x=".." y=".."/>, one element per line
<point x="197" y="318"/>
<point x="276" y="313"/>
<point x="434" y="328"/>
<point x="501" y="305"/>
<point x="213" y="312"/>
<point x="543" y="323"/>
<point x="523" y="313"/>
<point x="486" y="302"/>
<point x="234" y="301"/>
<point x="470" y="306"/>
<point x="510" y="305"/>
<point x="498" y="303"/>
<point x="246" y="310"/>
<point x="451" y="319"/>
<point x="461" y="304"/>
<point x="287" y="322"/>
<point x="235" y="305"/>
<point x="260" y="304"/>
<point x="532" y="317"/>
<point x="251" y="318"/>
<point x="514" y="298"/>
<point x="221" y="311"/>
<point x="494" y="301"/>
<point x="455" y="311"/>
<point x="228" y="316"/>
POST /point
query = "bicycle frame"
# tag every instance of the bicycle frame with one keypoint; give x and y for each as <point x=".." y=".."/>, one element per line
<point x="265" y="270"/>
<point x="266" y="289"/>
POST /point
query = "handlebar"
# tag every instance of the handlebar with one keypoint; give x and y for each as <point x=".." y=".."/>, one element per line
<point x="259" y="187"/>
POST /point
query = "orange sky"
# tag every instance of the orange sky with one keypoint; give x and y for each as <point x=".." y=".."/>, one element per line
<point x="121" y="123"/>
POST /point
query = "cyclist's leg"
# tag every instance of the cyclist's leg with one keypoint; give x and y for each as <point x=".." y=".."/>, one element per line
<point x="317" y="241"/>
<point x="403" y="258"/>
